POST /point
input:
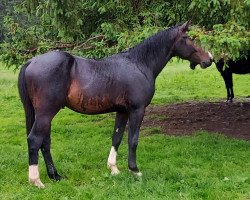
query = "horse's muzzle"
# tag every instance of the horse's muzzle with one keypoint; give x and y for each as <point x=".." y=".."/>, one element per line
<point x="205" y="64"/>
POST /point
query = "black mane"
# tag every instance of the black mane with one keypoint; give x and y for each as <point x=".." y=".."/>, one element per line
<point x="154" y="41"/>
<point x="154" y="51"/>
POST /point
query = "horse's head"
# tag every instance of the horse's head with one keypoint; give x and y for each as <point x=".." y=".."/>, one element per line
<point x="185" y="48"/>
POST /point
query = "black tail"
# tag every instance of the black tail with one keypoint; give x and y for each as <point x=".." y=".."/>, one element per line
<point x="27" y="105"/>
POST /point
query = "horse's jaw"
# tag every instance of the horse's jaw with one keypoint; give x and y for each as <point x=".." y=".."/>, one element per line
<point x="192" y="65"/>
<point x="203" y="65"/>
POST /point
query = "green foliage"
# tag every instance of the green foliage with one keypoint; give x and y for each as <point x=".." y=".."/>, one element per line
<point x="118" y="41"/>
<point x="225" y="41"/>
<point x="6" y="8"/>
<point x="100" y="28"/>
<point x="26" y="43"/>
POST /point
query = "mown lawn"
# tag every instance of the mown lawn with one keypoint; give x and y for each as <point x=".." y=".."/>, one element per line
<point x="201" y="166"/>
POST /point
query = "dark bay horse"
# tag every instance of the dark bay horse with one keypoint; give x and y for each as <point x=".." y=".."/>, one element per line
<point x="241" y="66"/>
<point x="123" y="83"/>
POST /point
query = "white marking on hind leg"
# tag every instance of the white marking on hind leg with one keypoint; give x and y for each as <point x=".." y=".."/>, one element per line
<point x="34" y="178"/>
<point x="112" y="161"/>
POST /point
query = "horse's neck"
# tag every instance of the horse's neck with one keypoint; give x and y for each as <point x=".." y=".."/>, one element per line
<point x="154" y="53"/>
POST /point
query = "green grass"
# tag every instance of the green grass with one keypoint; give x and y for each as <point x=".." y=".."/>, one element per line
<point x="177" y="83"/>
<point x="201" y="166"/>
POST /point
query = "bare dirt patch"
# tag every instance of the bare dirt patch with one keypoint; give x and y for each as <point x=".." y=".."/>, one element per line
<point x="231" y="119"/>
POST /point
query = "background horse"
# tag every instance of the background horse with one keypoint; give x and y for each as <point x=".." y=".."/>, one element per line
<point x="123" y="83"/>
<point x="241" y="66"/>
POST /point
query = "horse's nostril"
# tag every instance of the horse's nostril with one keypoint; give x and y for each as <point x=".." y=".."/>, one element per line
<point x="206" y="63"/>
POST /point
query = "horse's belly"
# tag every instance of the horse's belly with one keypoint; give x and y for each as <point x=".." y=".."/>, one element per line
<point x="84" y="102"/>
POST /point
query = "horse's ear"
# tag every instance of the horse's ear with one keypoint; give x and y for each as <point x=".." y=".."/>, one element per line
<point x="184" y="27"/>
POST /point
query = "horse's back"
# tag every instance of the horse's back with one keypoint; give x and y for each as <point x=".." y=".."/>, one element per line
<point x="241" y="66"/>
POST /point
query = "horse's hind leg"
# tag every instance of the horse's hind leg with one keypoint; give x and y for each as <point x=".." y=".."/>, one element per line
<point x="39" y="137"/>
<point x="51" y="170"/>
<point x="120" y="124"/>
<point x="39" y="131"/>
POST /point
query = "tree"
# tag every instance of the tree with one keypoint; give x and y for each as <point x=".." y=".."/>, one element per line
<point x="100" y="28"/>
<point x="227" y="33"/>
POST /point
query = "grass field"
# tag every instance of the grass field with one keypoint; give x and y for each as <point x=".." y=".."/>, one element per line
<point x="201" y="166"/>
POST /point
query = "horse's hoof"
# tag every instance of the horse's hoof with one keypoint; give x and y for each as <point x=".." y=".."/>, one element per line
<point x="115" y="172"/>
<point x="139" y="174"/>
<point x="229" y="101"/>
<point x="55" y="177"/>
<point x="34" y="178"/>
<point x="136" y="173"/>
<point x="36" y="182"/>
<point x="114" y="169"/>
<point x="58" y="177"/>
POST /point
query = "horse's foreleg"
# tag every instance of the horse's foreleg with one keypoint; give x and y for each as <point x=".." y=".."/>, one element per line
<point x="120" y="124"/>
<point x="230" y="83"/>
<point x="51" y="170"/>
<point x="135" y="120"/>
<point x="228" y="79"/>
